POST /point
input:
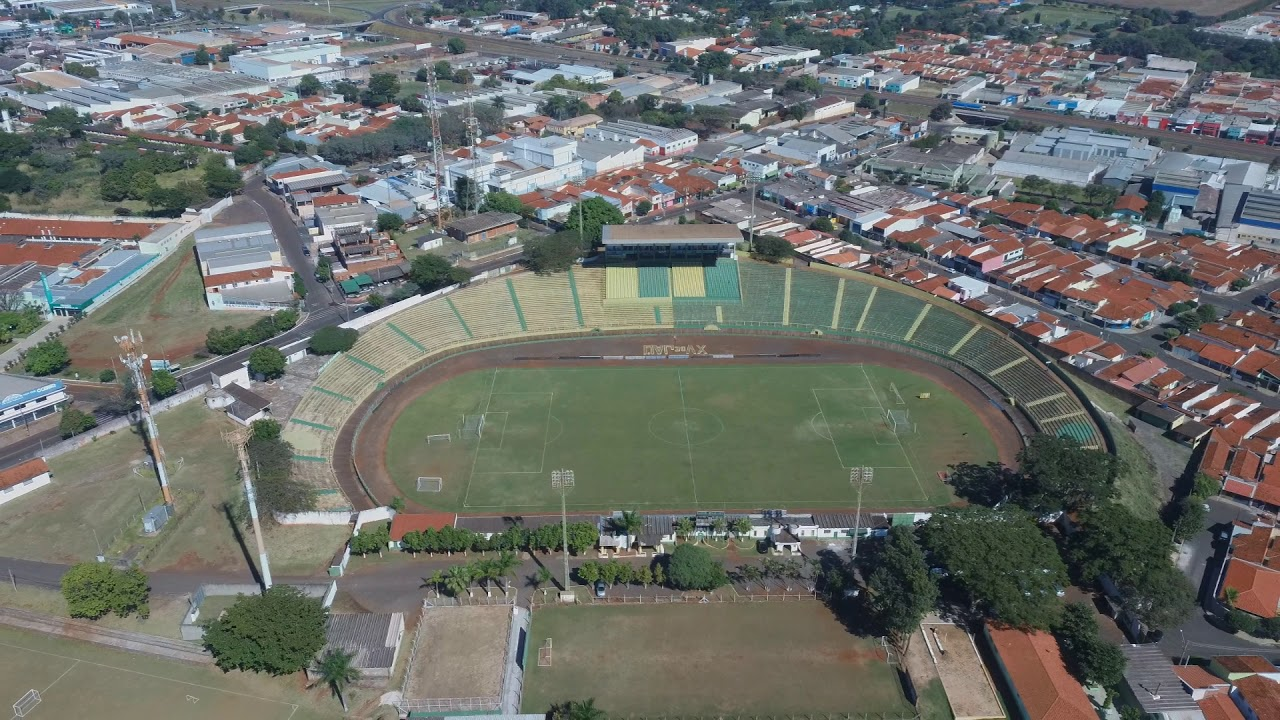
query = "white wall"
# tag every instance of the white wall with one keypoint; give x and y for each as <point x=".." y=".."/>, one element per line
<point x="23" y="488"/>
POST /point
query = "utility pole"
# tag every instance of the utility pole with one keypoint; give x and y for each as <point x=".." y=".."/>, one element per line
<point x="132" y="357"/>
<point x="562" y="480"/>
<point x="751" y="238"/>
<point x="860" y="478"/>
<point x="237" y="439"/>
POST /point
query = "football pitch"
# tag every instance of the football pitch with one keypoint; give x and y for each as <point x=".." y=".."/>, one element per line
<point x="704" y="436"/>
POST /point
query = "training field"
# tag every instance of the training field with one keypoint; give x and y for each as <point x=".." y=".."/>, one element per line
<point x="721" y="658"/>
<point x="742" y="436"/>
<point x="80" y="680"/>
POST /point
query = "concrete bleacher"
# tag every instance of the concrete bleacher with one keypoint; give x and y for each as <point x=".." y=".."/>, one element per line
<point x="763" y="296"/>
<point x="688" y="281"/>
<point x="623" y="282"/>
<point x="384" y="347"/>
<point x="721" y="281"/>
<point x="813" y="298"/>
<point x="487" y="310"/>
<point x="852" y="304"/>
<point x="892" y="315"/>
<point x="941" y="330"/>
<point x="547" y="302"/>
<point x="597" y="313"/>
<point x="348" y="378"/>
<point x="654" y="281"/>
<point x="432" y="325"/>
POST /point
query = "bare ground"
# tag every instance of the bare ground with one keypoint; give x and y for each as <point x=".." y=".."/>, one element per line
<point x="460" y="652"/>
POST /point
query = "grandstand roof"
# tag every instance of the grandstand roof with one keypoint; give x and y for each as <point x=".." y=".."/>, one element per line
<point x="658" y="234"/>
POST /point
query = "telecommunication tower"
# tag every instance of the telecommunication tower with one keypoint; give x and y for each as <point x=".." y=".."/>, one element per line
<point x="437" y="147"/>
<point x="471" y="203"/>
<point x="132" y="357"/>
<point x="237" y="439"/>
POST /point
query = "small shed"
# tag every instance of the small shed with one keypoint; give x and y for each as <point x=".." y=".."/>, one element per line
<point x="374" y="640"/>
<point x="247" y="406"/>
<point x="1189" y="433"/>
<point x="483" y="227"/>
<point x="155" y="519"/>
<point x="783" y="540"/>
<point x="1161" y="416"/>
<point x="18" y="480"/>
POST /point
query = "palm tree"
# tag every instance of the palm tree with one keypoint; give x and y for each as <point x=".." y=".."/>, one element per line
<point x="334" y="668"/>
<point x="503" y="566"/>
<point x="435" y="581"/>
<point x="630" y="523"/>
<point x="1231" y="595"/>
<point x="585" y="710"/>
<point x="458" y="580"/>
<point x="684" y="527"/>
<point x="719" y="526"/>
<point x="741" y="526"/>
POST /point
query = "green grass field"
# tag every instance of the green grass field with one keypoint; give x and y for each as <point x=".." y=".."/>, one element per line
<point x="693" y="437"/>
<point x="81" y="680"/>
<point x="754" y="659"/>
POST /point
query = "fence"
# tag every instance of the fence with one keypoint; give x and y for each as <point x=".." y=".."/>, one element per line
<point x="385" y="312"/>
<point x="317" y="517"/>
<point x="794" y="596"/>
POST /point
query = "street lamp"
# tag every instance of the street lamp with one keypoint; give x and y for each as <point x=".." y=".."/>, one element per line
<point x="860" y="478"/>
<point x="562" y="480"/>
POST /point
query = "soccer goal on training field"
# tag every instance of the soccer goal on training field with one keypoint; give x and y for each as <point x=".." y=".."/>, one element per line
<point x="472" y="427"/>
<point x="544" y="654"/>
<point x="26" y="703"/>
<point x="899" y="422"/>
<point x="441" y="438"/>
<point x="430" y="484"/>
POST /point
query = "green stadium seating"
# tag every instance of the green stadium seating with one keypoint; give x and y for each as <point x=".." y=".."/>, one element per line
<point x="692" y="313"/>
<point x="432" y="324"/>
<point x="384" y="347"/>
<point x="654" y="281"/>
<point x="941" y="330"/>
<point x="852" y="305"/>
<point x="487" y="310"/>
<point x="688" y="280"/>
<point x="813" y="298"/>
<point x="892" y="315"/>
<point x="763" y="295"/>
<point x="547" y="302"/>
<point x="721" y="281"/>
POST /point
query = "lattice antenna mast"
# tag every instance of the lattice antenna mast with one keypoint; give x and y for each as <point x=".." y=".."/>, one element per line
<point x="473" y="140"/>
<point x="437" y="147"/>
<point x="860" y="478"/>
<point x="132" y="357"/>
<point x="237" y="439"/>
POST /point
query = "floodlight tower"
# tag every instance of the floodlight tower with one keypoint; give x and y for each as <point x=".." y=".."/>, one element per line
<point x="132" y="356"/>
<point x="860" y="478"/>
<point x="237" y="439"/>
<point x="562" y="480"/>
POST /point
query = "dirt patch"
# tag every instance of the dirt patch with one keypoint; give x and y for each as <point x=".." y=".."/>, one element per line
<point x="460" y="653"/>
<point x="368" y="461"/>
<point x="964" y="677"/>
<point x="1203" y="8"/>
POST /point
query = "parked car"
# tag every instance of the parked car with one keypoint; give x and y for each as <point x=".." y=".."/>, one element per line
<point x="600" y="588"/>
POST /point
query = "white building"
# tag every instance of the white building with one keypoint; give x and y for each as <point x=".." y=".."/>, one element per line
<point x="26" y="400"/>
<point x="243" y="267"/>
<point x="602" y="156"/>
<point x="23" y="478"/>
<point x="658" y="141"/>
<point x="287" y="63"/>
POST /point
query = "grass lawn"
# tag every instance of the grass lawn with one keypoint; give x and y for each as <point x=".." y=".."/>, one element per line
<point x="72" y="676"/>
<point x="81" y="196"/>
<point x="751" y="658"/>
<point x="1138" y="487"/>
<point x="705" y="436"/>
<point x="167" y="611"/>
<point x="322" y="14"/>
<point x="1076" y="13"/>
<point x="166" y="305"/>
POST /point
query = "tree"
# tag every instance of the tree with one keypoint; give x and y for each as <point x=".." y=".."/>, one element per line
<point x="389" y="222"/>
<point x="1239" y="621"/>
<point x="432" y="272"/>
<point x="456" y="46"/>
<point x="631" y="523"/>
<point x="684" y="527"/>
<point x="265" y="429"/>
<point x="337" y="670"/>
<point x="900" y="588"/>
<point x="278" y="632"/>
<point x="589" y="216"/>
<point x="324" y="269"/>
<point x="13" y="180"/>
<point x="1155" y="207"/>
<point x="643" y="208"/>
<point x="228" y="50"/>
<point x="546" y="254"/>
<point x="1189" y="517"/>
<point x="309" y="85"/>
<point x="202" y="56"/>
<point x="383" y="88"/>
<point x="267" y="361"/>
<point x="772" y="248"/>
<point x="46" y="358"/>
<point x="578" y="710"/>
<point x="163" y="383"/>
<point x="219" y="180"/>
<point x="107" y="376"/>
<point x="85" y="71"/>
<point x="868" y="101"/>
<point x="74" y="422"/>
<point x="999" y="559"/>
<point x="333" y="339"/>
<point x="1065" y="476"/>
<point x="692" y="568"/>
<point x="463" y="77"/>
<point x="822" y="224"/>
<point x="741" y="527"/>
<point x="503" y="202"/>
<point x="941" y="111"/>
<point x="1205" y="486"/>
<point x="94" y="589"/>
<point x="1092" y="660"/>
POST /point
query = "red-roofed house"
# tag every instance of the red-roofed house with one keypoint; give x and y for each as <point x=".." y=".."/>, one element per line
<point x="1033" y="669"/>
<point x="404" y="523"/>
<point x="1258" y="697"/>
<point x="18" y="480"/>
<point x="1253" y="572"/>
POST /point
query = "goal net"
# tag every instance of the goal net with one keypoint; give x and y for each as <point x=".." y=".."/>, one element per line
<point x="26" y="703"/>
<point x="899" y="421"/>
<point x="544" y="654"/>
<point x="472" y="427"/>
<point x="442" y="438"/>
<point x="430" y="484"/>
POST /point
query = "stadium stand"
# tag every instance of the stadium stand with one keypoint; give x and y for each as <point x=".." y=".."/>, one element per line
<point x="487" y="310"/>
<point x="623" y="282"/>
<point x="813" y="298"/>
<point x="747" y="295"/>
<point x="548" y="305"/>
<point x="655" y="281"/>
<point x="688" y="280"/>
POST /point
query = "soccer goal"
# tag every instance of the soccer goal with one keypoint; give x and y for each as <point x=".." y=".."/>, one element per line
<point x="430" y="484"/>
<point x="472" y="427"/>
<point x="899" y="422"/>
<point x="26" y="704"/>
<point x="442" y="438"/>
<point x="897" y="396"/>
<point x="544" y="654"/>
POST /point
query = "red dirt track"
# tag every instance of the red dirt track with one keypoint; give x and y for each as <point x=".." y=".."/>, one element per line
<point x="368" y="463"/>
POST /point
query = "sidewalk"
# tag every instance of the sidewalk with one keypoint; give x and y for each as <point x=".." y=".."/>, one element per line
<point x="26" y="343"/>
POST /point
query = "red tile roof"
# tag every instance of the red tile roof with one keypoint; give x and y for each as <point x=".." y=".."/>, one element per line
<point x="409" y="522"/>
<point x="1219" y="706"/>
<point x="75" y="229"/>
<point x="1262" y="695"/>
<point x="22" y="472"/>
<point x="1034" y="664"/>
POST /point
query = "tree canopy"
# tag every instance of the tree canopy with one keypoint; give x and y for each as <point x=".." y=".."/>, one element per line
<point x="546" y="254"/>
<point x="1066" y="476"/>
<point x="333" y="339"/>
<point x="46" y="358"/>
<point x="691" y="567"/>
<point x="267" y="361"/>
<point x="278" y="632"/>
<point x="163" y="383"/>
<point x="900" y="588"/>
<point x="593" y="214"/>
<point x="772" y="248"/>
<point x="432" y="272"/>
<point x="999" y="561"/>
<point x="94" y="589"/>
